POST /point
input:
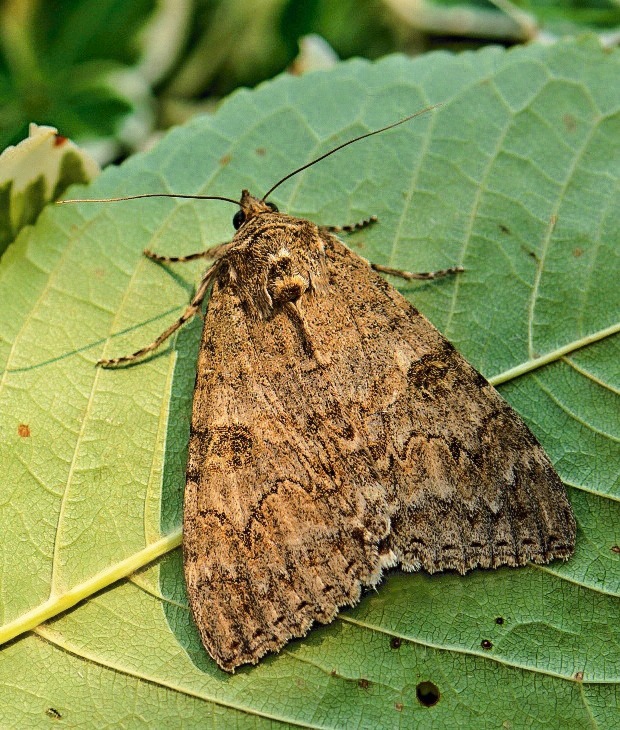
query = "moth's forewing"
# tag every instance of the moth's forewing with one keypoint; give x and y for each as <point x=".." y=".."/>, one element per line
<point x="319" y="457"/>
<point x="472" y="485"/>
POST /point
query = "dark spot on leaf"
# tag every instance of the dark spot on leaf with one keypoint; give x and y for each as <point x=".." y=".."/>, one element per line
<point x="499" y="620"/>
<point x="486" y="644"/>
<point x="427" y="693"/>
<point x="363" y="683"/>
<point x="53" y="713"/>
<point x="225" y="159"/>
<point x="504" y="229"/>
<point x="395" y="643"/>
<point x="398" y="706"/>
<point x="577" y="252"/>
<point x="23" y="430"/>
<point x="615" y="549"/>
<point x="261" y="151"/>
<point x="579" y="676"/>
<point x="570" y="123"/>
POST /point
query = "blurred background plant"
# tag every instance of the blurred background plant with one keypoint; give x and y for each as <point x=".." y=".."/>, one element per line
<point x="112" y="74"/>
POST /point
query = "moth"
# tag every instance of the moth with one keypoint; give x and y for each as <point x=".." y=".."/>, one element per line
<point x="335" y="434"/>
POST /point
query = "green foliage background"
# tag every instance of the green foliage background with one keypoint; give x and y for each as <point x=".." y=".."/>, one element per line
<point x="516" y="179"/>
<point x="109" y="73"/>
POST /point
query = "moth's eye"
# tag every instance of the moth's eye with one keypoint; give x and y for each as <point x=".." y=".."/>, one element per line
<point x="238" y="219"/>
<point x="273" y="207"/>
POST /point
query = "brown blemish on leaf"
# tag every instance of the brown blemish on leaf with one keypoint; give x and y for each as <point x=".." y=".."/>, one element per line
<point x="486" y="644"/>
<point x="261" y="151"/>
<point x="427" y="693"/>
<point x="530" y="253"/>
<point x="395" y="643"/>
<point x="363" y="683"/>
<point x="577" y="252"/>
<point x="225" y="160"/>
<point x="504" y="229"/>
<point x="615" y="549"/>
<point x="570" y="123"/>
<point x="23" y="430"/>
<point x="53" y="713"/>
<point x="578" y="676"/>
<point x="398" y="706"/>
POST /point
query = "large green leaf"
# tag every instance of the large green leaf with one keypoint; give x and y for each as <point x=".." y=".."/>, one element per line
<point x="515" y="178"/>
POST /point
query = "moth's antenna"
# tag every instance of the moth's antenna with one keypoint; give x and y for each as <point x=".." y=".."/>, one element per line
<point x="268" y="193"/>
<point x="147" y="195"/>
<point x="345" y="144"/>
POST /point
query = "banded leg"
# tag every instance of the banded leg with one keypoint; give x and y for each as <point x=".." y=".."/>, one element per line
<point x="350" y="228"/>
<point x="408" y="275"/>
<point x="424" y="275"/>
<point x="210" y="253"/>
<point x="192" y="309"/>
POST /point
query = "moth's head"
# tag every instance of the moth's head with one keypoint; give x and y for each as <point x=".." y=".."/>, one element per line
<point x="250" y="207"/>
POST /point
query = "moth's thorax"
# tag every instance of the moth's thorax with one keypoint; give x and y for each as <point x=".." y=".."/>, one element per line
<point x="273" y="259"/>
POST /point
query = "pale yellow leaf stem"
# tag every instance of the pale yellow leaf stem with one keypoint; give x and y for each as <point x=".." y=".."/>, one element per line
<point x="55" y="605"/>
<point x="538" y="362"/>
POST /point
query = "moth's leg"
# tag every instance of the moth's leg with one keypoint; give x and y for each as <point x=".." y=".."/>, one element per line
<point x="351" y="227"/>
<point x="192" y="309"/>
<point x="409" y="275"/>
<point x="211" y="253"/>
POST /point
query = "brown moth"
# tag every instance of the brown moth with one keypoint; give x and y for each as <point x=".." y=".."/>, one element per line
<point x="336" y="433"/>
